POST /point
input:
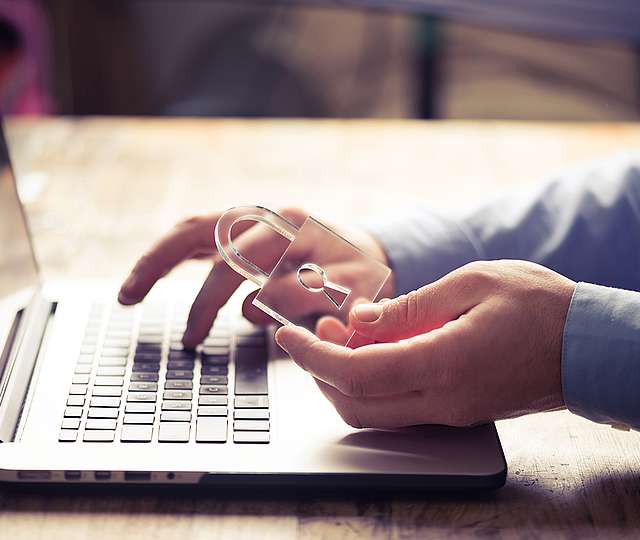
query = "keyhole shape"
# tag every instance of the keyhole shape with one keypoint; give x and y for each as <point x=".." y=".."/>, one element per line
<point x="337" y="294"/>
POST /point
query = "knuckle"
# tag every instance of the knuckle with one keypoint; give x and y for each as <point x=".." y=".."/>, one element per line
<point x="405" y="310"/>
<point x="477" y="274"/>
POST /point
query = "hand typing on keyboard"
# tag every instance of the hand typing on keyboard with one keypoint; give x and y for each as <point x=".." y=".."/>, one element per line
<point x="193" y="238"/>
<point x="480" y="344"/>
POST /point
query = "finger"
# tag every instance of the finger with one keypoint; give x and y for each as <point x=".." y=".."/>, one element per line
<point x="191" y="238"/>
<point x="260" y="245"/>
<point x="378" y="369"/>
<point x="420" y="311"/>
<point x="254" y="314"/>
<point x="383" y="412"/>
<point x="214" y="293"/>
<point x="332" y="330"/>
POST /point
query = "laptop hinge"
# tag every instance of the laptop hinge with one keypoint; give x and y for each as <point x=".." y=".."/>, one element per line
<point x="21" y="359"/>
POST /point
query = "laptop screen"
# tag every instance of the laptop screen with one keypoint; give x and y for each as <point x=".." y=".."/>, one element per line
<point x="18" y="269"/>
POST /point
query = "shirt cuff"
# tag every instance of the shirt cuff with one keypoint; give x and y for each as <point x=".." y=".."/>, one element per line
<point x="601" y="355"/>
<point x="424" y="247"/>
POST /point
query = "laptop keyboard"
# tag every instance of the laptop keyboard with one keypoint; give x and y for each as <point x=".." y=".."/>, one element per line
<point x="134" y="382"/>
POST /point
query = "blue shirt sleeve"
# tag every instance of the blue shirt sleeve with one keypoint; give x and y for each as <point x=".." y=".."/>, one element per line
<point x="601" y="355"/>
<point x="586" y="226"/>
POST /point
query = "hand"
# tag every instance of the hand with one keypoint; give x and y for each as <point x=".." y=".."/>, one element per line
<point x="193" y="238"/>
<point x="480" y="344"/>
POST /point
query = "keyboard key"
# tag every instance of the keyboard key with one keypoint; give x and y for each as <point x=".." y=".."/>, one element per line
<point x="174" y="432"/>
<point x="75" y="401"/>
<point x="251" y="371"/>
<point x="106" y="362"/>
<point x="249" y="437"/>
<point x="143" y="387"/>
<point x="78" y="389"/>
<point x="146" y="368"/>
<point x="113" y="391"/>
<point x="83" y="369"/>
<point x="136" y="433"/>
<point x="216" y="351"/>
<point x="251" y="402"/>
<point x="117" y="342"/>
<point x="212" y="400"/>
<point x="176" y="405"/>
<point x="179" y="374"/>
<point x="175" y="416"/>
<point x="180" y="364"/>
<point x="117" y="352"/>
<point x="178" y="385"/>
<point x="214" y="360"/>
<point x="100" y="423"/>
<point x="71" y="423"/>
<point x="73" y="412"/>
<point x="80" y="379"/>
<point x="177" y="394"/>
<point x="214" y="379"/>
<point x="184" y="355"/>
<point x="144" y="377"/>
<point x="211" y="430"/>
<point x="250" y="341"/>
<point x="109" y="381"/>
<point x="141" y="396"/>
<point x="176" y="343"/>
<point x="138" y="418"/>
<point x="111" y="371"/>
<point x="102" y="412"/>
<point x="105" y="402"/>
<point x="251" y="414"/>
<point x="212" y="410"/>
<point x="87" y="349"/>
<point x="249" y="330"/>
<point x="216" y="342"/>
<point x="150" y="339"/>
<point x="140" y="408"/>
<point x="147" y="356"/>
<point x="120" y="333"/>
<point x="214" y="370"/>
<point x="68" y="435"/>
<point x="98" y="435"/>
<point x="251" y="425"/>
<point x="213" y="389"/>
<point x="85" y="359"/>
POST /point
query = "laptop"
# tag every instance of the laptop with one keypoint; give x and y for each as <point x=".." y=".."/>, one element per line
<point x="92" y="392"/>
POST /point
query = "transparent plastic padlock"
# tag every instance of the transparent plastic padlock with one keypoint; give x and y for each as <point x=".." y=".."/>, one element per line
<point x="311" y="269"/>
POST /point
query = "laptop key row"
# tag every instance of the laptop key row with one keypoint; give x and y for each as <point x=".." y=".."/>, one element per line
<point x="109" y="389"/>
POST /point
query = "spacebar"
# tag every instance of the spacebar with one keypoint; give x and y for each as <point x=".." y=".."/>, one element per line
<point x="251" y="371"/>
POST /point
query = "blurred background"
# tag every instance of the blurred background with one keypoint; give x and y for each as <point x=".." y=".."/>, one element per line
<point x="545" y="60"/>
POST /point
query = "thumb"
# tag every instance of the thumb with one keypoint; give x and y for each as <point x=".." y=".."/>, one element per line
<point x="417" y="312"/>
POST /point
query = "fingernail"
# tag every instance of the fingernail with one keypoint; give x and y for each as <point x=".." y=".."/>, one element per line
<point x="128" y="284"/>
<point x="368" y="312"/>
<point x="278" y="338"/>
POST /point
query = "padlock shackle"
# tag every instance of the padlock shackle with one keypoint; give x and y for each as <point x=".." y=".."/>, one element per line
<point x="228" y="250"/>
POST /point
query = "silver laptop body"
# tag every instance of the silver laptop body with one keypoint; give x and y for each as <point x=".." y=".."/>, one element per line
<point x="91" y="392"/>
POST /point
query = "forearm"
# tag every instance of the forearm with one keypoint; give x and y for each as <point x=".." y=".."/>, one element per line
<point x="586" y="226"/>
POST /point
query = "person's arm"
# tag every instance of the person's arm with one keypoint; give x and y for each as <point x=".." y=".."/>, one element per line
<point x="585" y="226"/>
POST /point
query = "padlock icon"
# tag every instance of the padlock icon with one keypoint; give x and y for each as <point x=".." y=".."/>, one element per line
<point x="307" y="270"/>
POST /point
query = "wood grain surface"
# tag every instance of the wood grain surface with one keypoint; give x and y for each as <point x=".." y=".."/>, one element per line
<point x="98" y="191"/>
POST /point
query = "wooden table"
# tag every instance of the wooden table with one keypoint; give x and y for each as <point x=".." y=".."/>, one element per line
<point x="100" y="190"/>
